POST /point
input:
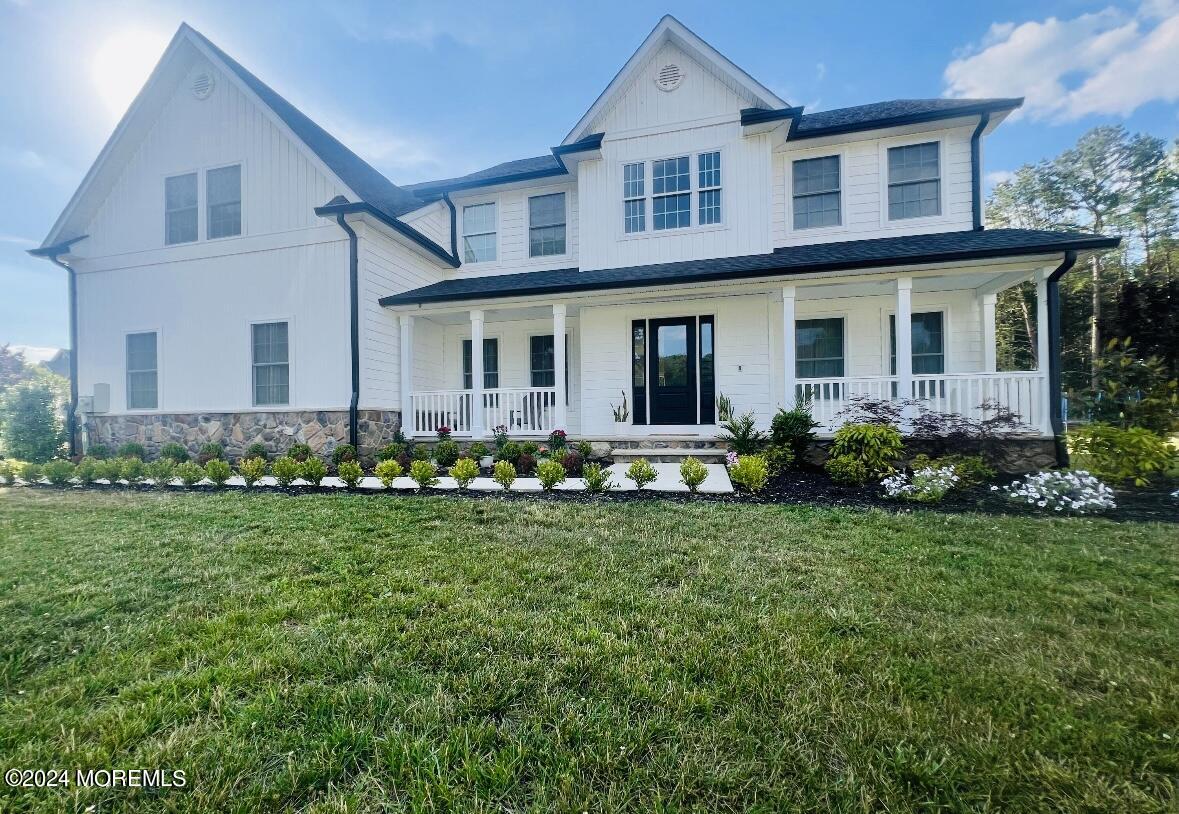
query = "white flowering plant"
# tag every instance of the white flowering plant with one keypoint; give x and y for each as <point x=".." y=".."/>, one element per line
<point x="1077" y="492"/>
<point x="928" y="485"/>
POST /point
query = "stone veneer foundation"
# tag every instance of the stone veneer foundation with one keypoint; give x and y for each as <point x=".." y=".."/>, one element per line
<point x="322" y="430"/>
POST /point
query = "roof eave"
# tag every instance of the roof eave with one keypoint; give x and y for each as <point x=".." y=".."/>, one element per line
<point x="1005" y="105"/>
<point x="404" y="229"/>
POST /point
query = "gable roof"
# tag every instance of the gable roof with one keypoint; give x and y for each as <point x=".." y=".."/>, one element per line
<point x="941" y="247"/>
<point x="669" y="29"/>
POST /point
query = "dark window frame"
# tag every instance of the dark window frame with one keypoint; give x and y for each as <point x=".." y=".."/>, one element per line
<point x="490" y="373"/>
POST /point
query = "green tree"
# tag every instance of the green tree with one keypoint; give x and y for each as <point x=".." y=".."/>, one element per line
<point x="30" y="426"/>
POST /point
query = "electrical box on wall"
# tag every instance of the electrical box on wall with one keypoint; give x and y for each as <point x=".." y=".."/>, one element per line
<point x="101" y="398"/>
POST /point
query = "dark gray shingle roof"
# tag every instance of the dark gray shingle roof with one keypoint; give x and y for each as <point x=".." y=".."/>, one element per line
<point x="521" y="168"/>
<point x="849" y="254"/>
<point x="879" y="114"/>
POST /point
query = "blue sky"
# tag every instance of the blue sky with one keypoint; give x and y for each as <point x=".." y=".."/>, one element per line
<point x="432" y="89"/>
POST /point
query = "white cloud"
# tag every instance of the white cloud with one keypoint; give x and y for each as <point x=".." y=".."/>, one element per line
<point x="820" y="70"/>
<point x="35" y="163"/>
<point x="999" y="176"/>
<point x="1109" y="61"/>
<point x="17" y="241"/>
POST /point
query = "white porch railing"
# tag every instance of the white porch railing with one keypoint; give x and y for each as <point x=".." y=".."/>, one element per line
<point x="523" y="410"/>
<point x="962" y="393"/>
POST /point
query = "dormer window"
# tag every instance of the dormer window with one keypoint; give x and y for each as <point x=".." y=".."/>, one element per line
<point x="673" y="182"/>
<point x="914" y="181"/>
<point x="816" y="192"/>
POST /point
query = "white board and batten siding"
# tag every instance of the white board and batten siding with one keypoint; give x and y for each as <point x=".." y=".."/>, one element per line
<point x="512" y="244"/>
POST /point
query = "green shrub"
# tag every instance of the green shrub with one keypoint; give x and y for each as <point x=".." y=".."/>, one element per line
<point x="529" y="448"/>
<point x="350" y="472"/>
<point x="550" y="473"/>
<point x="342" y="453"/>
<point x="86" y="471"/>
<point x="971" y="470"/>
<point x="597" y="479"/>
<point x="30" y="472"/>
<point x="1118" y="454"/>
<point x="30" y="428"/>
<point x="252" y="469"/>
<point x="109" y="470"/>
<point x="190" y="473"/>
<point x="133" y="471"/>
<point x="132" y="449"/>
<point x="525" y="465"/>
<point x="573" y="463"/>
<point x="176" y="453"/>
<point x="211" y="451"/>
<point x="218" y="472"/>
<point x="420" y="452"/>
<point x="100" y="452"/>
<point x="751" y="471"/>
<point x="585" y="449"/>
<point x="7" y="473"/>
<point x="847" y="470"/>
<point x="161" y="471"/>
<point x="641" y="473"/>
<point x="388" y="470"/>
<point x="510" y="451"/>
<point x="257" y="450"/>
<point x="299" y="452"/>
<point x="424" y="474"/>
<point x="59" y="471"/>
<point x="464" y="471"/>
<point x="876" y="446"/>
<point x="286" y="470"/>
<point x="692" y="474"/>
<point x="504" y="473"/>
<point x="313" y="471"/>
<point x="794" y="429"/>
<point x="742" y="435"/>
<point x="446" y="452"/>
<point x="391" y="452"/>
<point x="478" y="450"/>
<point x="779" y="458"/>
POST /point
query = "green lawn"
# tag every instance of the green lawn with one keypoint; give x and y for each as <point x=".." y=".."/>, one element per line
<point x="350" y="653"/>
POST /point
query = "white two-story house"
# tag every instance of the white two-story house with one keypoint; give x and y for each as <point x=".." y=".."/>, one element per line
<point x="238" y="274"/>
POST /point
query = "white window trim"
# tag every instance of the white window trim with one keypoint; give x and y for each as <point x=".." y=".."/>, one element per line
<point x="251" y="399"/>
<point x="847" y="343"/>
<point x="943" y="186"/>
<point x="540" y="193"/>
<point x="917" y="308"/>
<point x="164" y="208"/>
<point x="803" y="155"/>
<point x="159" y="369"/>
<point x="202" y="205"/>
<point x="202" y="185"/>
<point x="462" y="229"/>
<point x="617" y="188"/>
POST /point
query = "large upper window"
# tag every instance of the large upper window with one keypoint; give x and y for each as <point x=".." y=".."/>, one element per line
<point x="490" y="363"/>
<point x="142" y="372"/>
<point x="223" y="191"/>
<point x="914" y="181"/>
<point x="272" y="371"/>
<point x="709" y="182"/>
<point x="634" y="201"/>
<point x="180" y="209"/>
<point x="929" y="353"/>
<point x="546" y="225"/>
<point x="816" y="192"/>
<point x="671" y="185"/>
<point x="819" y="348"/>
<point x="479" y="233"/>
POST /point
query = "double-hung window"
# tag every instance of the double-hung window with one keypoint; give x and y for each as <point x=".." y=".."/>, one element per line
<point x="709" y="186"/>
<point x="490" y="364"/>
<point x="634" y="201"/>
<point x="541" y="362"/>
<point x="180" y="209"/>
<point x="223" y="192"/>
<point x="671" y="185"/>
<point x="479" y="233"/>
<point x="929" y="349"/>
<point x="819" y="348"/>
<point x="914" y="181"/>
<point x="142" y="371"/>
<point x="546" y="225"/>
<point x="271" y="355"/>
<point x="816" y="192"/>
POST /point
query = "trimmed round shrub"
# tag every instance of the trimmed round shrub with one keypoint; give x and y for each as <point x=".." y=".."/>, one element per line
<point x="597" y="479"/>
<point x="573" y="463"/>
<point x="313" y="471"/>
<point x="504" y="474"/>
<point x="750" y="472"/>
<point x="30" y="473"/>
<point x="350" y="472"/>
<point x="210" y="451"/>
<point x="530" y="448"/>
<point x="133" y="471"/>
<point x="391" y="452"/>
<point x="99" y="452"/>
<point x="177" y="453"/>
<point x="109" y="470"/>
<point x="692" y="474"/>
<point x="257" y="450"/>
<point x="424" y="474"/>
<point x="132" y="449"/>
<point x="420" y="452"/>
<point x="286" y="470"/>
<point x="86" y="471"/>
<point x="342" y="453"/>
<point x="478" y="450"/>
<point x="550" y="473"/>
<point x="510" y="451"/>
<point x="388" y="470"/>
<point x="190" y="473"/>
<point x="252" y="470"/>
<point x="641" y="472"/>
<point x="161" y="471"/>
<point x="847" y="470"/>
<point x="464" y="471"/>
<point x="218" y="472"/>
<point x="299" y="452"/>
<point x="59" y="472"/>
<point x="446" y="452"/>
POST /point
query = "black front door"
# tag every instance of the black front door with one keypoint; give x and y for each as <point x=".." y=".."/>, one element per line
<point x="672" y="373"/>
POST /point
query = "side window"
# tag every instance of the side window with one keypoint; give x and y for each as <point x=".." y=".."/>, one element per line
<point x="709" y="165"/>
<point x="914" y="181"/>
<point x="271" y="360"/>
<point x="142" y="371"/>
<point x="634" y="201"/>
<point x="223" y="189"/>
<point x="180" y="209"/>
<point x="816" y="192"/>
<point x="546" y="225"/>
<point x="479" y="233"/>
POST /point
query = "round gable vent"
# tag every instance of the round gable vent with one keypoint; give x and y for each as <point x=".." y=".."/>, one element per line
<point x="202" y="85"/>
<point x="669" y="78"/>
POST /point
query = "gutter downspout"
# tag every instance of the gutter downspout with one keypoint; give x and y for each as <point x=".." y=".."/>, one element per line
<point x="354" y="333"/>
<point x="453" y="225"/>
<point x="1055" y="411"/>
<point x="976" y="169"/>
<point x="72" y="413"/>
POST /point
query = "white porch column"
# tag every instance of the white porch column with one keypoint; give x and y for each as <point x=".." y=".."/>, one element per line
<point x="990" y="363"/>
<point x="476" y="374"/>
<point x="1042" y="351"/>
<point x="406" y="365"/>
<point x="904" y="329"/>
<point x="559" y="413"/>
<point x="789" y="349"/>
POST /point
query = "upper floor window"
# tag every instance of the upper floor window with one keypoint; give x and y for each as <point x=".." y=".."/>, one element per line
<point x="816" y="192"/>
<point x="180" y="209"/>
<point x="142" y="371"/>
<point x="671" y="184"/>
<point x="546" y="225"/>
<point x="709" y="166"/>
<point x="223" y="193"/>
<point x="914" y="181"/>
<point x="634" y="201"/>
<point x="490" y="363"/>
<point x="479" y="233"/>
<point x="271" y="362"/>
